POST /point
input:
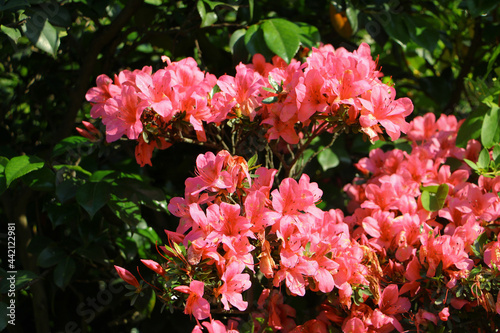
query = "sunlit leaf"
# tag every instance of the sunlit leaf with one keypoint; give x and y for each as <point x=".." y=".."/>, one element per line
<point x="282" y="37"/>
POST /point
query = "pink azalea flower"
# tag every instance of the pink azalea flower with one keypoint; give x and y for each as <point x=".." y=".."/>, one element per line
<point x="492" y="254"/>
<point x="240" y="92"/>
<point x="98" y="96"/>
<point x="235" y="283"/>
<point x="123" y="115"/>
<point x="380" y="107"/>
<point x="196" y="305"/>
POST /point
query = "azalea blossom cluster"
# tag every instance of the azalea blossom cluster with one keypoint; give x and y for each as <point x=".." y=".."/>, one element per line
<point x="333" y="90"/>
<point x="238" y="236"/>
<point x="237" y="232"/>
<point x="446" y="258"/>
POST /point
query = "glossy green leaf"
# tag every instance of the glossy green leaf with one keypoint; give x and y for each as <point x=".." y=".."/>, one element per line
<point x="434" y="197"/>
<point x="496" y="154"/>
<point x="255" y="42"/>
<point x="490" y="132"/>
<point x="309" y="35"/>
<point x="237" y="42"/>
<point x="43" y="34"/>
<point x="73" y="145"/>
<point x="93" y="196"/>
<point x="21" y="165"/>
<point x="64" y="271"/>
<point x="207" y="18"/>
<point x="471" y="164"/>
<point x="282" y="37"/>
<point x="13" y="33"/>
<point x="483" y="160"/>
<point x="328" y="159"/>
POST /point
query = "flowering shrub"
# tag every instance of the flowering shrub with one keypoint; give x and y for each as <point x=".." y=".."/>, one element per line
<point x="334" y="90"/>
<point x="418" y="249"/>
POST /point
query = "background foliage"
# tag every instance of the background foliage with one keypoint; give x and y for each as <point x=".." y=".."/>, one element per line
<point x="82" y="206"/>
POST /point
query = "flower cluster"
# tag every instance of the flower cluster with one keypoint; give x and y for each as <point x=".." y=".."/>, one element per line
<point x="237" y="236"/>
<point x="333" y="90"/>
<point x="442" y="254"/>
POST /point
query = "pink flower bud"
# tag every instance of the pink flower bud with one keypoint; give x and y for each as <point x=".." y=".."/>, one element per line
<point x="127" y="276"/>
<point x="91" y="132"/>
<point x="154" y="266"/>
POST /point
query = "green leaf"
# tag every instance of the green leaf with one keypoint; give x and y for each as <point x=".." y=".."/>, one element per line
<point x="270" y="100"/>
<point x="490" y="133"/>
<point x="352" y="16"/>
<point x="150" y="234"/>
<point x="3" y="163"/>
<point x="328" y="159"/>
<point x="72" y="168"/>
<point x="471" y="128"/>
<point x="100" y="175"/>
<point x="491" y="62"/>
<point x="64" y="272"/>
<point x="395" y="26"/>
<point x="214" y="4"/>
<point x="251" y="8"/>
<point x="496" y="154"/>
<point x="41" y="180"/>
<point x="41" y="33"/>
<point x="21" y="165"/>
<point x="73" y="145"/>
<point x="471" y="164"/>
<point x="274" y="84"/>
<point x="93" y="196"/>
<point x="60" y="214"/>
<point x="255" y="42"/>
<point x="282" y="37"/>
<point x="483" y="161"/>
<point x="309" y="35"/>
<point x="13" y="33"/>
<point x="66" y="190"/>
<point x="207" y="19"/>
<point x="237" y="43"/>
<point x="433" y="198"/>
<point x="127" y="211"/>
<point x="479" y="243"/>
<point x="50" y="256"/>
<point x="251" y="162"/>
